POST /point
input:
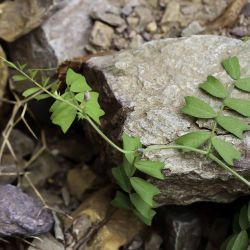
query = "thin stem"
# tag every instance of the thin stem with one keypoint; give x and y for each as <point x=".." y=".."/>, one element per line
<point x="233" y="172"/>
<point x="106" y="138"/>
<point x="161" y="147"/>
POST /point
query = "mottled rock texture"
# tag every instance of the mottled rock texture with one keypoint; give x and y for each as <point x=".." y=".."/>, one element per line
<point x="143" y="91"/>
<point x="20" y="214"/>
<point x="19" y="17"/>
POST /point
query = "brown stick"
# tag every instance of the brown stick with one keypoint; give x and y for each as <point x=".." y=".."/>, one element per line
<point x="228" y="17"/>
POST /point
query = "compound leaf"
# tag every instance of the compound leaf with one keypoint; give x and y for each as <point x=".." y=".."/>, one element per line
<point x="233" y="125"/>
<point x="62" y="113"/>
<point x="30" y="91"/>
<point x="193" y="139"/>
<point x="121" y="178"/>
<point x="226" y="150"/>
<point x="121" y="201"/>
<point x="243" y="84"/>
<point x="239" y="105"/>
<point x="232" y="67"/>
<point x="243" y="218"/>
<point x="152" y="168"/>
<point x="130" y="144"/>
<point x="77" y="82"/>
<point x="214" y="87"/>
<point x="144" y="189"/>
<point x="146" y="212"/>
<point x="197" y="108"/>
<point x="92" y="107"/>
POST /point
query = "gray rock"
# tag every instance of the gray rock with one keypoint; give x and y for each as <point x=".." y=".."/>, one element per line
<point x="246" y="10"/>
<point x="20" y="17"/>
<point x="193" y="28"/>
<point x="146" y="87"/>
<point x="63" y="36"/>
<point x="21" y="214"/>
<point x="101" y="35"/>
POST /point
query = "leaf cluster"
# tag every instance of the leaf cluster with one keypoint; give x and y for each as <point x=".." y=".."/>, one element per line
<point x="232" y="124"/>
<point x="137" y="194"/>
<point x="239" y="240"/>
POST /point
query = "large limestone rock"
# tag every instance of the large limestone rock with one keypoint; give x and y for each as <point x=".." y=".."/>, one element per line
<point x="19" y="17"/>
<point x="143" y="91"/>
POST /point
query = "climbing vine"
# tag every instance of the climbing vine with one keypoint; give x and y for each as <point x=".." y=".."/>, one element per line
<point x="79" y="101"/>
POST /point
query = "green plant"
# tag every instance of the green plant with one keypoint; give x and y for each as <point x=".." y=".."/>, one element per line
<point x="239" y="239"/>
<point x="78" y="100"/>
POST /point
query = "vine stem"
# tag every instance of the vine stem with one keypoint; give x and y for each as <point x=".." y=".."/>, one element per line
<point x="223" y="165"/>
<point x="106" y="138"/>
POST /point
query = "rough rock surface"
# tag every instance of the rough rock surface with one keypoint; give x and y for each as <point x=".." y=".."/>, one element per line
<point x="20" y="214"/>
<point x="143" y="91"/>
<point x="19" y="17"/>
<point x="62" y="36"/>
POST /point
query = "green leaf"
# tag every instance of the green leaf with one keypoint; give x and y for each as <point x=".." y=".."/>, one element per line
<point x="121" y="201"/>
<point x="9" y="64"/>
<point x="152" y="168"/>
<point x="243" y="84"/>
<point x="42" y="97"/>
<point x="92" y="108"/>
<point x="62" y="113"/>
<point x="121" y="178"/>
<point x="30" y="91"/>
<point x="142" y="208"/>
<point x="130" y="143"/>
<point x="243" y="218"/>
<point x="147" y="221"/>
<point x="18" y="78"/>
<point x="229" y="242"/>
<point x="241" y="241"/>
<point x="128" y="167"/>
<point x="238" y="105"/>
<point x="77" y="82"/>
<point x="33" y="73"/>
<point x="193" y="139"/>
<point x="144" y="189"/>
<point x="226" y="150"/>
<point x="214" y="87"/>
<point x="232" y="67"/>
<point x="197" y="108"/>
<point x="233" y="125"/>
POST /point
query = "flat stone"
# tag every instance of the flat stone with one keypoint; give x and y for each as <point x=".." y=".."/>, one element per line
<point x="101" y="35"/>
<point x="63" y="36"/>
<point x="20" y="17"/>
<point x="21" y="214"/>
<point x="146" y="88"/>
<point x="3" y="74"/>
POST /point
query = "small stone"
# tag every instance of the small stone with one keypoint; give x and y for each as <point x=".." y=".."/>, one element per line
<point x="151" y="27"/>
<point x="121" y="29"/>
<point x="3" y="74"/>
<point x="145" y="17"/>
<point x="171" y="13"/>
<point x="101" y="35"/>
<point x="128" y="8"/>
<point x="121" y="228"/>
<point x="110" y="15"/>
<point x="239" y="31"/>
<point x="136" y="41"/>
<point x="120" y="43"/>
<point x="21" y="214"/>
<point x="154" y="242"/>
<point x="80" y="180"/>
<point x="7" y="165"/>
<point x="193" y="28"/>
<point x="133" y="21"/>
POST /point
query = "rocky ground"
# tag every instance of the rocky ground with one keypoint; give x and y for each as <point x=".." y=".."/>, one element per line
<point x="69" y="173"/>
